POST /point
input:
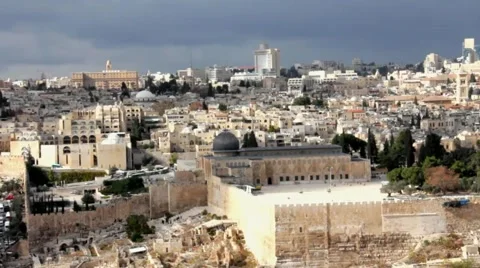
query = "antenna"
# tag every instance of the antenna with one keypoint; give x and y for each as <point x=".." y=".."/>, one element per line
<point x="191" y="59"/>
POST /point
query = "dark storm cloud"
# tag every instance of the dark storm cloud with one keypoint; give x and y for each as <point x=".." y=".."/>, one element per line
<point x="68" y="31"/>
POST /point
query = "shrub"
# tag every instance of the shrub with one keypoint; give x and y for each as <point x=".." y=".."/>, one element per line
<point x="137" y="226"/>
<point x="79" y="176"/>
<point x="122" y="187"/>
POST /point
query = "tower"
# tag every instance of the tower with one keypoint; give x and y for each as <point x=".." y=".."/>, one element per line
<point x="463" y="79"/>
<point x="108" y="66"/>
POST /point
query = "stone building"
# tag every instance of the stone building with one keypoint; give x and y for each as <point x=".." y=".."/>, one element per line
<point x="106" y="79"/>
<point x="281" y="165"/>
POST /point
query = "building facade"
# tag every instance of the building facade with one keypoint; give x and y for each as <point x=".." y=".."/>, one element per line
<point x="106" y="79"/>
<point x="267" y="60"/>
<point x="281" y="165"/>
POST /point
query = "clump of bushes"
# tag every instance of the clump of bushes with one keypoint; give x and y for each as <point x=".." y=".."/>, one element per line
<point x="78" y="176"/>
<point x="137" y="226"/>
<point x="123" y="187"/>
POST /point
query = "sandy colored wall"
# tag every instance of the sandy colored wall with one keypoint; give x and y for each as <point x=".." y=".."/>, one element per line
<point x="254" y="219"/>
<point x="47" y="226"/>
<point x="158" y="199"/>
<point x="184" y="196"/>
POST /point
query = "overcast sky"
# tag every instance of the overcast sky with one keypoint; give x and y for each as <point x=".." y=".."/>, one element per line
<point x="62" y="36"/>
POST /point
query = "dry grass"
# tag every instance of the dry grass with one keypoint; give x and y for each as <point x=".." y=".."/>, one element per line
<point x="445" y="247"/>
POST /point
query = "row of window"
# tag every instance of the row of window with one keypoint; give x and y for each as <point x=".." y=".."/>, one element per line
<point x="313" y="177"/>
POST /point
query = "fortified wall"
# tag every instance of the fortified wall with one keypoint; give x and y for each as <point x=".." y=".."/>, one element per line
<point x="173" y="197"/>
<point x="337" y="234"/>
<point x="12" y="167"/>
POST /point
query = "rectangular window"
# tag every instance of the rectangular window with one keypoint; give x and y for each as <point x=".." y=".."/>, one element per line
<point x="333" y="177"/>
<point x="311" y="177"/>
<point x="341" y="176"/>
<point x="302" y="178"/>
<point x="281" y="178"/>
<point x="318" y="177"/>
<point x="326" y="177"/>
<point x="288" y="178"/>
<point x="346" y="176"/>
<point x="296" y="178"/>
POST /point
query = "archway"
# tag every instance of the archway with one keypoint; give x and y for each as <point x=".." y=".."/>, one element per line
<point x="269" y="181"/>
<point x="75" y="140"/>
<point x="66" y="150"/>
<point x="67" y="140"/>
<point x="92" y="139"/>
<point x="84" y="139"/>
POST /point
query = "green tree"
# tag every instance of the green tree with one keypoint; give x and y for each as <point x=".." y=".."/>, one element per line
<point x="137" y="226"/>
<point x="409" y="150"/>
<point x="413" y="176"/>
<point x="372" y="150"/>
<point x="88" y="199"/>
<point x="225" y="88"/>
<point x="470" y="92"/>
<point x="210" y="92"/>
<point x="245" y="143"/>
<point x="302" y="101"/>
<point x="222" y="107"/>
<point x="76" y="207"/>
<point x="272" y="129"/>
<point x="185" y="88"/>
<point x="252" y="140"/>
<point x="473" y="79"/>
<point x="173" y="158"/>
<point x="432" y="147"/>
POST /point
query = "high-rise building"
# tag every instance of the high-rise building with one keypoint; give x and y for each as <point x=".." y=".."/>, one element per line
<point x="267" y="60"/>
<point x="469" y="52"/>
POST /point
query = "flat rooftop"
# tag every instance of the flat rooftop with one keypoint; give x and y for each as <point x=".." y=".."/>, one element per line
<point x="318" y="193"/>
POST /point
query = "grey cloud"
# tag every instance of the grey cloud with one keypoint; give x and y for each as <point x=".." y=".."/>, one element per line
<point x="159" y="35"/>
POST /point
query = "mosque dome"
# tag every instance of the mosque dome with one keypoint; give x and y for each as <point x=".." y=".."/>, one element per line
<point x="225" y="141"/>
<point x="145" y="95"/>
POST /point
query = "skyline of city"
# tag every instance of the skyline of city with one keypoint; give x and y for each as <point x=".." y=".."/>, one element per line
<point x="57" y="39"/>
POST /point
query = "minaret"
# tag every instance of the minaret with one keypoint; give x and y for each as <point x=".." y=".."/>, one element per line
<point x="461" y="92"/>
<point x="108" y="66"/>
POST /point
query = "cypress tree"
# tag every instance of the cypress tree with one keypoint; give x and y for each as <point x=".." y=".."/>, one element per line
<point x="252" y="140"/>
<point x="246" y="141"/>
<point x="409" y="150"/>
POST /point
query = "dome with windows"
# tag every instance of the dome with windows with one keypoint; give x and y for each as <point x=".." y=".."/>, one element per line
<point x="226" y="141"/>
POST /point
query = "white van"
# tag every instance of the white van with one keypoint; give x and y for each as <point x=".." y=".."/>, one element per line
<point x="7" y="225"/>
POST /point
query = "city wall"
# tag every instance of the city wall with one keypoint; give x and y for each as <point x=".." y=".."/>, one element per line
<point x="254" y="219"/>
<point x="161" y="198"/>
<point x="367" y="233"/>
<point x="337" y="234"/>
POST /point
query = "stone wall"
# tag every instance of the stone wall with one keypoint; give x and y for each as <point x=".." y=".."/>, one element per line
<point x="158" y="199"/>
<point x="161" y="198"/>
<point x="12" y="167"/>
<point x="257" y="221"/>
<point x="183" y="196"/>
<point x="368" y="234"/>
<point x="44" y="227"/>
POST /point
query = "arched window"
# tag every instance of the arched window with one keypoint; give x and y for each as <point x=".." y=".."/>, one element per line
<point x="66" y="150"/>
<point x="84" y="139"/>
<point x="75" y="140"/>
<point x="67" y="140"/>
<point x="92" y="139"/>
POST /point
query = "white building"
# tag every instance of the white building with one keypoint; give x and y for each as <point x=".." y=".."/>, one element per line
<point x="58" y="82"/>
<point x="218" y="73"/>
<point x="267" y="60"/>
<point x="297" y="84"/>
<point x="244" y="76"/>
<point x="191" y="72"/>
<point x="160" y="77"/>
<point x="432" y="63"/>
